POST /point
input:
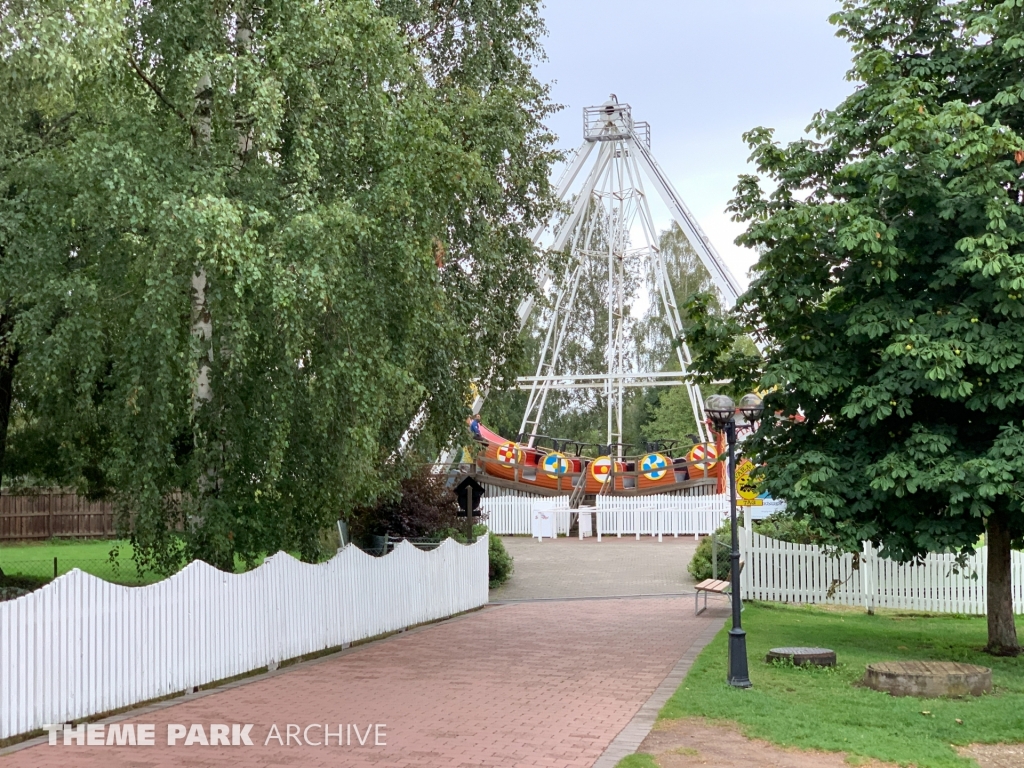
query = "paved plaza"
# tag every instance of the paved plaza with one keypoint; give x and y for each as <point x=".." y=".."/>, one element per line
<point x="568" y="567"/>
<point x="536" y="683"/>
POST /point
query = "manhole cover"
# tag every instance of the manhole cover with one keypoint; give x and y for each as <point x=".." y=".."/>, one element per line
<point x="821" y="657"/>
<point x="929" y="679"/>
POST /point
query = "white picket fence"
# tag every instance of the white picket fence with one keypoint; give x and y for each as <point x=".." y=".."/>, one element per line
<point x="81" y="646"/>
<point x="513" y="515"/>
<point x="617" y="515"/>
<point x="796" y="573"/>
<point x="661" y="515"/>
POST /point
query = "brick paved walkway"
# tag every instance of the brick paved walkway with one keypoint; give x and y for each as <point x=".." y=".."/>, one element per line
<point x="529" y="684"/>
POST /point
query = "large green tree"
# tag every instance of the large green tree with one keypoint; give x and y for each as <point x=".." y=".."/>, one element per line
<point x="889" y="294"/>
<point x="269" y="236"/>
<point x="39" y="108"/>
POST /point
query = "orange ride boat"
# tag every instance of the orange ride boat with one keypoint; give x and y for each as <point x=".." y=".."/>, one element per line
<point x="557" y="466"/>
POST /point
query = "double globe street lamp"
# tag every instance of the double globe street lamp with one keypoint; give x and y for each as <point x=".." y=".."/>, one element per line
<point x="722" y="412"/>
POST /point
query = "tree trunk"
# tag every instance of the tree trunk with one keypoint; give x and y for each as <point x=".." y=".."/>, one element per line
<point x="202" y="329"/>
<point x="1002" y="633"/>
<point x="8" y="359"/>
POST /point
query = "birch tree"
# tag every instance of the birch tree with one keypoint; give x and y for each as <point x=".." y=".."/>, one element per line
<point x="273" y="232"/>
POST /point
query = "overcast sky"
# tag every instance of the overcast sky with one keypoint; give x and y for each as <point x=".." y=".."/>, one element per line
<point x="701" y="72"/>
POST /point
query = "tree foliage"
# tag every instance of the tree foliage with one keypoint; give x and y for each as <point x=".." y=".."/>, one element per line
<point x="424" y="507"/>
<point x="889" y="293"/>
<point x="687" y="276"/>
<point x="356" y="181"/>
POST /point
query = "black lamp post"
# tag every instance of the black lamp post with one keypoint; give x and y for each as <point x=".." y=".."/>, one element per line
<point x="722" y="412"/>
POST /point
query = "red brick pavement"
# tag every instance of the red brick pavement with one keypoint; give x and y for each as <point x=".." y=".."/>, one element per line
<point x="529" y="684"/>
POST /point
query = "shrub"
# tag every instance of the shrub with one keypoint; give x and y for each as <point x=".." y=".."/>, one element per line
<point x="459" y="534"/>
<point x="778" y="526"/>
<point x="786" y="528"/>
<point x="700" y="564"/>
<point x="424" y="508"/>
<point x="427" y="509"/>
<point x="12" y="587"/>
<point x="500" y="560"/>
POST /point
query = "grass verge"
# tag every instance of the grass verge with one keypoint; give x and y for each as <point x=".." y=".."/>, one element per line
<point x="34" y="560"/>
<point x="639" y="760"/>
<point x="812" y="708"/>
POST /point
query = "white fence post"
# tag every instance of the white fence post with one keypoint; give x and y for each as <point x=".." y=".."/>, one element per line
<point x="867" y="576"/>
<point x="1017" y="579"/>
<point x="745" y="554"/>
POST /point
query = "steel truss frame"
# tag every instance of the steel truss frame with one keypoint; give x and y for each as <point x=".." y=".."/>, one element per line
<point x="614" y="193"/>
<point x="614" y="196"/>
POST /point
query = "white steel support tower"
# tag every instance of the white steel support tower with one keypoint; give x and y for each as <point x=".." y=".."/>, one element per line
<point x="609" y="206"/>
<point x="605" y="213"/>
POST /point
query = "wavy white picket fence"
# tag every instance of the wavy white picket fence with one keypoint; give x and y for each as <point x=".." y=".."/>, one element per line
<point x="81" y="646"/>
<point x="795" y="573"/>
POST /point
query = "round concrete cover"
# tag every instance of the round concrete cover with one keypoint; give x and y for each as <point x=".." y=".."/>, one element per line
<point x="822" y="657"/>
<point x="929" y="679"/>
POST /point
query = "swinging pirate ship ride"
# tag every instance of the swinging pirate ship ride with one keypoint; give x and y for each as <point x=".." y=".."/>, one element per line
<point x="606" y="209"/>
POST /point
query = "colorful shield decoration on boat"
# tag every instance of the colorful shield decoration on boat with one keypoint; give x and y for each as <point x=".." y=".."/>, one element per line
<point x="701" y="452"/>
<point x="509" y="453"/>
<point x="555" y="464"/>
<point x="600" y="468"/>
<point x="654" y="466"/>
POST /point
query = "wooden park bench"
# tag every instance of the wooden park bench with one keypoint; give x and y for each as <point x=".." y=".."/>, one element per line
<point x="715" y="587"/>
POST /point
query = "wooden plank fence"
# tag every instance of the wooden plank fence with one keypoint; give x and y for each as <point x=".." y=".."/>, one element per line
<point x="54" y="512"/>
<point x="779" y="571"/>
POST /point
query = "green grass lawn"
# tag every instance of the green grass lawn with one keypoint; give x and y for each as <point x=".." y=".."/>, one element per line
<point x="92" y="556"/>
<point x="817" y="708"/>
<point x="35" y="559"/>
<point x="638" y="761"/>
